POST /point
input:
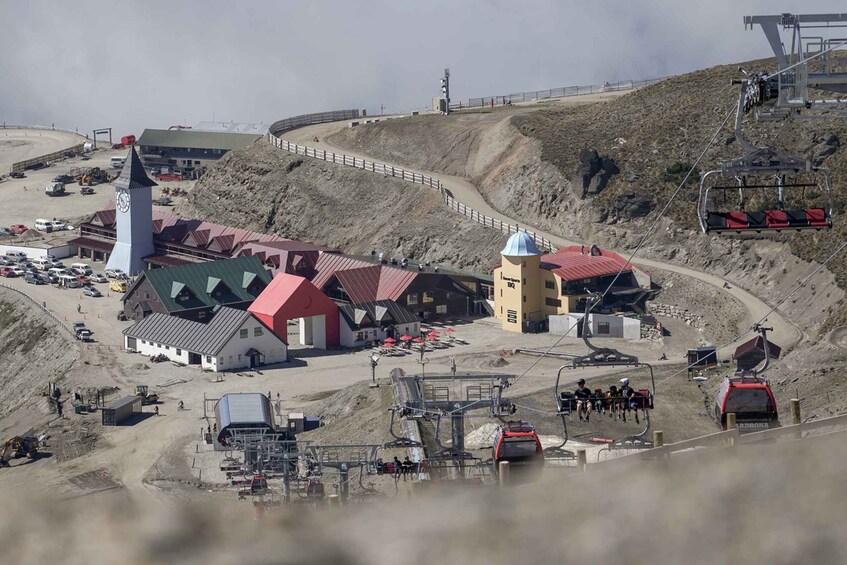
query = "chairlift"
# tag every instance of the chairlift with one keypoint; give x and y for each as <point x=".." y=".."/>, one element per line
<point x="748" y="395"/>
<point x="775" y="190"/>
<point x="641" y="399"/>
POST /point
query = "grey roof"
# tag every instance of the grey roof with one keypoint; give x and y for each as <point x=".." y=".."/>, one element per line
<point x="243" y="409"/>
<point x="187" y="139"/>
<point x="196" y="337"/>
<point x="133" y="174"/>
<point x="379" y="312"/>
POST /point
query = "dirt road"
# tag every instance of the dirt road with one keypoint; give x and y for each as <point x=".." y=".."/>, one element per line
<point x="784" y="332"/>
<point x="22" y="144"/>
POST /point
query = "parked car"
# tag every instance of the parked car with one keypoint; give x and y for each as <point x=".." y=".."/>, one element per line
<point x="18" y="229"/>
<point x="52" y="279"/>
<point x="18" y="271"/>
<point x="91" y="291"/>
<point x="16" y="256"/>
<point x="116" y="285"/>
<point x="6" y="272"/>
<point x="84" y="335"/>
<point x="35" y="279"/>
<point x="6" y="231"/>
<point x="25" y="264"/>
<point x="114" y="273"/>
<point x="17" y="175"/>
<point x="55" y="263"/>
<point x="59" y="225"/>
<point x="63" y="179"/>
<point x="83" y="280"/>
<point x="99" y="278"/>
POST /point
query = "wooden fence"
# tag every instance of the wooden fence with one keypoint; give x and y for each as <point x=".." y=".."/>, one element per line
<point x="410" y="176"/>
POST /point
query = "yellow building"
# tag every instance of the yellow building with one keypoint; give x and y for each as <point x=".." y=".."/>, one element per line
<point x="529" y="286"/>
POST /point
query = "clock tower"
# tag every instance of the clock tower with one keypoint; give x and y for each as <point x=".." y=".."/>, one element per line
<point x="134" y="217"/>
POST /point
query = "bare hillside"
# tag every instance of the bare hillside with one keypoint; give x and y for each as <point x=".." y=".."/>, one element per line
<point x="269" y="190"/>
<point x="600" y="172"/>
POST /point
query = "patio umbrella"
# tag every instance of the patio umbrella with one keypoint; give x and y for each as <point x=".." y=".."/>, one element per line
<point x="432" y="335"/>
<point x="388" y="340"/>
<point x="434" y="332"/>
<point x="417" y="340"/>
<point x="405" y="337"/>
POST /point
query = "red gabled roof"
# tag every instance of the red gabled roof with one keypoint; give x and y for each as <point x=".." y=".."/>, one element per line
<point x="576" y="263"/>
<point x="394" y="282"/>
<point x="360" y="284"/>
<point x="362" y="281"/>
<point x="329" y="263"/>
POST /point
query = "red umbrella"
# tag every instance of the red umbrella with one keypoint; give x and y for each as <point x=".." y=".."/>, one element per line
<point x="449" y="330"/>
<point x="405" y="337"/>
<point x="431" y="335"/>
<point x="434" y="332"/>
<point x="389" y="340"/>
<point x="417" y="340"/>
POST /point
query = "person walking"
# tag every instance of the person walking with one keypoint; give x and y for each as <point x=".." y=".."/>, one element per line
<point x="79" y="308"/>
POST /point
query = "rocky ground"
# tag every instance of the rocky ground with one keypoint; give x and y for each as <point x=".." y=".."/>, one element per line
<point x="272" y="191"/>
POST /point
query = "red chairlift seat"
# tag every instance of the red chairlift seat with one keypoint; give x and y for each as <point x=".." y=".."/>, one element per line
<point x="768" y="220"/>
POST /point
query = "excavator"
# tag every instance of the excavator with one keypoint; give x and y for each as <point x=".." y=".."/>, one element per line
<point x="18" y="446"/>
<point x="147" y="397"/>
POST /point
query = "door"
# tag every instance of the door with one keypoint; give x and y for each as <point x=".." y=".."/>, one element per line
<point x="194" y="358"/>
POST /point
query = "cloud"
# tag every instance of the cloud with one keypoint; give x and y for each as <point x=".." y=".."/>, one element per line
<point x="154" y="64"/>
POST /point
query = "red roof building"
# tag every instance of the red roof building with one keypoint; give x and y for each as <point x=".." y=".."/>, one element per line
<point x="289" y="297"/>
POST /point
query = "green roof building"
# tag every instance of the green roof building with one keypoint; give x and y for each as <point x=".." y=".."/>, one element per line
<point x="189" y="151"/>
<point x="195" y="291"/>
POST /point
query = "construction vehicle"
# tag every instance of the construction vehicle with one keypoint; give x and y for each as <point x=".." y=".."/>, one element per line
<point x="18" y="446"/>
<point x="146" y="396"/>
<point x="94" y="176"/>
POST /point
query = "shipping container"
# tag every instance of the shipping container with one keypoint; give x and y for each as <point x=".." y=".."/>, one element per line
<point x="121" y="410"/>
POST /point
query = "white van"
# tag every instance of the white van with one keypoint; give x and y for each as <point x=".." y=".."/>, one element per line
<point x="42" y="263"/>
<point x="83" y="268"/>
<point x="69" y="281"/>
<point x="43" y="225"/>
<point x="59" y="271"/>
<point x="118" y="162"/>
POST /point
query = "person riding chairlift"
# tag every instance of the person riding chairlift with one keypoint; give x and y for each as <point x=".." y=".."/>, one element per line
<point x="628" y="394"/>
<point x="583" y="400"/>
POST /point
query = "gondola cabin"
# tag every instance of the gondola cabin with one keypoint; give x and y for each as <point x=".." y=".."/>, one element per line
<point x="517" y="443"/>
<point x="751" y="399"/>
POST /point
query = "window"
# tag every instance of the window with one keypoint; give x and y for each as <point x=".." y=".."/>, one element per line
<point x="159" y="345"/>
<point x="359" y="336"/>
<point x="441" y="309"/>
<point x="411" y="299"/>
<point x="524" y="281"/>
<point x="523" y="263"/>
<point x="239" y="357"/>
<point x="167" y="347"/>
<point x="550" y="284"/>
<point x="242" y="334"/>
<point x="427" y="296"/>
<point x="230" y="358"/>
<point x="501" y="293"/>
<point x="603" y="328"/>
<point x="201" y="316"/>
<point x="257" y="331"/>
<point x="196" y="162"/>
<point x="147" y="296"/>
<point x="208" y="358"/>
<point x="552" y="302"/>
<point x="179" y="351"/>
<point x="524" y="297"/>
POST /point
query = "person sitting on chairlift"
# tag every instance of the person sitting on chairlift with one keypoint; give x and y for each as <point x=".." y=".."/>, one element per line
<point x="583" y="400"/>
<point x="613" y="397"/>
<point x="628" y="394"/>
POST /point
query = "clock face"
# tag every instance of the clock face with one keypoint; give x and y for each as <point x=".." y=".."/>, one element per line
<point x="123" y="200"/>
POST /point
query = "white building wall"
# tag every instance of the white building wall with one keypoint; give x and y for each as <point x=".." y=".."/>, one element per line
<point x="349" y="335"/>
<point x="233" y="356"/>
<point x="619" y="326"/>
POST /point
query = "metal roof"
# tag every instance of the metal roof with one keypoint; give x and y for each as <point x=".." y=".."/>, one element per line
<point x="380" y="311"/>
<point x="194" y="277"/>
<point x="121" y="402"/>
<point x="361" y="280"/>
<point x="576" y="263"/>
<point x="756" y="344"/>
<point x="133" y="174"/>
<point x="197" y="337"/>
<point x="520" y="244"/>
<point x="243" y="409"/>
<point x="188" y="139"/>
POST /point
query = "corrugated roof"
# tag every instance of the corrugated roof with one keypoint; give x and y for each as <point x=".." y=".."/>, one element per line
<point x="196" y="337"/>
<point x="381" y="311"/>
<point x="133" y="174"/>
<point x="194" y="277"/>
<point x="756" y="344"/>
<point x="187" y="139"/>
<point x="576" y="263"/>
<point x="359" y="278"/>
<point x="243" y="409"/>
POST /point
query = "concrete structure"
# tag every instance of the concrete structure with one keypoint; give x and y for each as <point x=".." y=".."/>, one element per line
<point x="231" y="340"/>
<point x="600" y="325"/>
<point x="195" y="290"/>
<point x="529" y="287"/>
<point x="375" y="321"/>
<point x="290" y="297"/>
<point x="134" y="217"/>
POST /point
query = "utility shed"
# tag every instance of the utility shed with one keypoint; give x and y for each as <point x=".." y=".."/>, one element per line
<point x="751" y="353"/>
<point x="121" y="410"/>
<point x="244" y="411"/>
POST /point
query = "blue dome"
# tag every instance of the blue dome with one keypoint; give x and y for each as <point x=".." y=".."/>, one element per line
<point x="520" y="245"/>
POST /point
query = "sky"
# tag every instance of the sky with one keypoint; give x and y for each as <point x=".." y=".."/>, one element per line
<point x="151" y="64"/>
